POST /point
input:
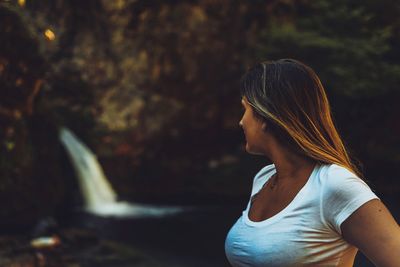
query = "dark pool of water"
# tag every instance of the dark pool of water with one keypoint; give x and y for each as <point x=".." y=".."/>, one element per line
<point x="191" y="238"/>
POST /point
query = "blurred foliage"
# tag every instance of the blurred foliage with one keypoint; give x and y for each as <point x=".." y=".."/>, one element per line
<point x="354" y="47"/>
<point x="353" y="50"/>
<point x="152" y="86"/>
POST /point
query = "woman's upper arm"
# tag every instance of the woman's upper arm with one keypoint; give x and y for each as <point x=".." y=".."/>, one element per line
<point x="373" y="230"/>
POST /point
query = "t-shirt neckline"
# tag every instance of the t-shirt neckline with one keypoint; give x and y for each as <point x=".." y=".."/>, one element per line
<point x="281" y="213"/>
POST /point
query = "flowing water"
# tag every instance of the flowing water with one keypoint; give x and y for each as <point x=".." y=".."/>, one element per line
<point x="98" y="195"/>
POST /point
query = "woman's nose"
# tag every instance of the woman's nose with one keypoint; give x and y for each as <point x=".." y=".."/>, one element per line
<point x="240" y="123"/>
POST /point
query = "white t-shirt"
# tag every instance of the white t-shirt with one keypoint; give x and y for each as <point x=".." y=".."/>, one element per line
<point x="307" y="231"/>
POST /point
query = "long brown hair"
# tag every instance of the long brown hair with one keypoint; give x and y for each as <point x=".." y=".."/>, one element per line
<point x="289" y="96"/>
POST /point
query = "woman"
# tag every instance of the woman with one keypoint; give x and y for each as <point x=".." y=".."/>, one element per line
<point x="310" y="207"/>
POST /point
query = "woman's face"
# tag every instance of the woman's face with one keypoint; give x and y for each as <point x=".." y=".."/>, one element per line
<point x="253" y="129"/>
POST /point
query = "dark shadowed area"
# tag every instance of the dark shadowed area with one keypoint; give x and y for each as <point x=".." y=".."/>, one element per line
<point x="149" y="91"/>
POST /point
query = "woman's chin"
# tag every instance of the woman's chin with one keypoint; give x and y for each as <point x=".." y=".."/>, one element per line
<point x="249" y="149"/>
<point x="252" y="151"/>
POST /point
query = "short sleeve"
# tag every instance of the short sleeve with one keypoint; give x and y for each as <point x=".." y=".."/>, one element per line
<point x="342" y="194"/>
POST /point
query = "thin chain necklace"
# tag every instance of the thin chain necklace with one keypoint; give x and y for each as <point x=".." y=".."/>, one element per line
<point x="274" y="181"/>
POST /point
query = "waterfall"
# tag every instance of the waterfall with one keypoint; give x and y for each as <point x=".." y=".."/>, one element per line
<point x="96" y="190"/>
<point x="98" y="194"/>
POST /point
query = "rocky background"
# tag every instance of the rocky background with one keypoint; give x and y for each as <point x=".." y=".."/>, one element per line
<point x="152" y="88"/>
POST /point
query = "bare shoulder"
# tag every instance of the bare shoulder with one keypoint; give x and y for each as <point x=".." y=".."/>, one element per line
<point x="375" y="232"/>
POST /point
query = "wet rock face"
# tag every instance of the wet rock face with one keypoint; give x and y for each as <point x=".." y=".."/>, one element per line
<point x="118" y="80"/>
<point x="30" y="186"/>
